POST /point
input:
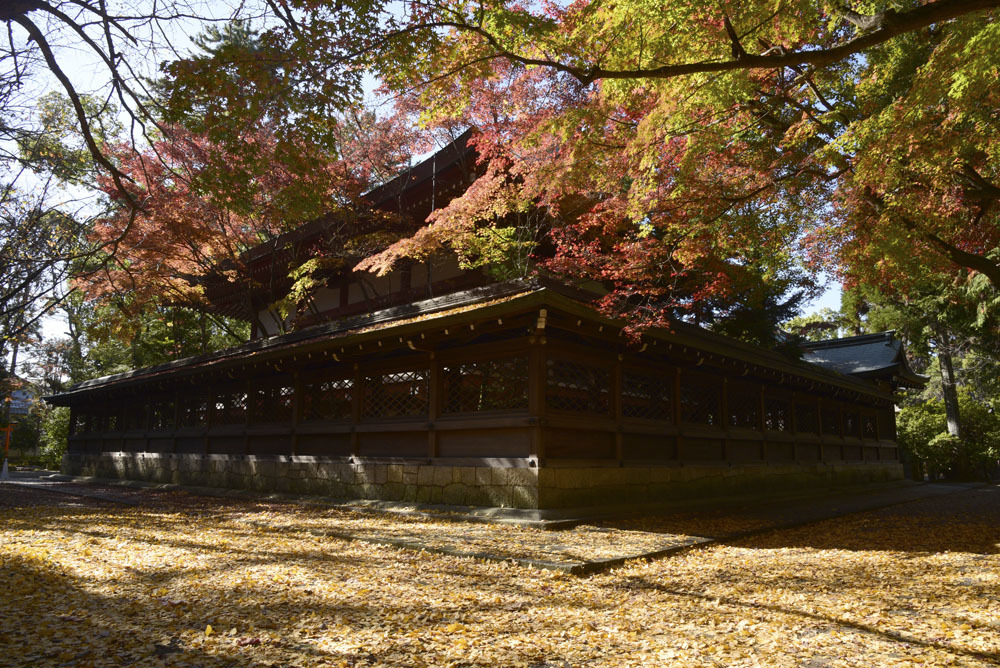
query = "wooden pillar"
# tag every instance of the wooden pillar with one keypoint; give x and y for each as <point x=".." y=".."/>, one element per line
<point x="793" y="423"/>
<point x="724" y="418"/>
<point x="176" y="420"/>
<point x="357" y="397"/>
<point x="435" y="392"/>
<point x="762" y="424"/>
<point x="616" y="409"/>
<point x="248" y="387"/>
<point x="296" y="410"/>
<point x="147" y="417"/>
<point x="677" y="397"/>
<point x="212" y="399"/>
<point x="677" y="412"/>
<point x="537" y="380"/>
<point x="819" y="428"/>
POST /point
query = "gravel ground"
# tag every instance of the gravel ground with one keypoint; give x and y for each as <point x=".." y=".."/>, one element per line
<point x="188" y="581"/>
<point x="579" y="549"/>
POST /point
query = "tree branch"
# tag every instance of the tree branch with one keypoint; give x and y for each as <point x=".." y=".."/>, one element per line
<point x="890" y="24"/>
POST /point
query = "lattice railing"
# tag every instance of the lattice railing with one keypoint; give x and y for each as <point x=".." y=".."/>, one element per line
<point x="272" y="404"/>
<point x="88" y="422"/>
<point x="805" y="418"/>
<point x="194" y="411"/>
<point x="400" y="394"/>
<point x="487" y="385"/>
<point x="328" y="400"/>
<point x="134" y="417"/>
<point x="161" y="415"/>
<point x="581" y="388"/>
<point x="831" y="421"/>
<point x="868" y="427"/>
<point x="777" y="414"/>
<point x="700" y="400"/>
<point x="647" y="395"/>
<point x="744" y="406"/>
<point x="230" y="408"/>
<point x="887" y="424"/>
<point x="852" y="425"/>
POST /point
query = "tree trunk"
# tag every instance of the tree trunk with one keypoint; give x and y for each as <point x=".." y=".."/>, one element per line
<point x="949" y="390"/>
<point x="8" y="396"/>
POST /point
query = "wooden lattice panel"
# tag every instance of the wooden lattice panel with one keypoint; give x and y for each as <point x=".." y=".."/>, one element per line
<point x="647" y="395"/>
<point x="194" y="411"/>
<point x="700" y="399"/>
<point x="806" y="418"/>
<point x="777" y="414"/>
<point x="399" y="394"/>
<point x="230" y="408"/>
<point x="868" y="427"/>
<point x="161" y="415"/>
<point x="272" y="404"/>
<point x="852" y="424"/>
<point x="744" y="406"/>
<point x="577" y="387"/>
<point x="330" y="400"/>
<point x="487" y="385"/>
<point x="831" y="421"/>
<point x="134" y="417"/>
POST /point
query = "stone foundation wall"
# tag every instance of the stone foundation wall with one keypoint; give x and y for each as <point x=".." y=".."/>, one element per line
<point x="582" y="487"/>
<point x="489" y="486"/>
<point x="338" y="477"/>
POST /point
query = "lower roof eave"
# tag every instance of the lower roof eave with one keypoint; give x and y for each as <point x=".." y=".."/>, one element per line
<point x="498" y="300"/>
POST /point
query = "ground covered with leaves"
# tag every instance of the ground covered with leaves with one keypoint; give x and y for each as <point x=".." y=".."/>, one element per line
<point x="178" y="580"/>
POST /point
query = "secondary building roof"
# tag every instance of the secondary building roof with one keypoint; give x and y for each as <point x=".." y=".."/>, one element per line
<point x="868" y="356"/>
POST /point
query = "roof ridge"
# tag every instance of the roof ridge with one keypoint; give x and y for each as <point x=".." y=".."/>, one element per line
<point x="888" y="336"/>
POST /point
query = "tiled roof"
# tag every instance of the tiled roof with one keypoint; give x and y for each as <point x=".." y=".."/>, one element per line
<point x="867" y="356"/>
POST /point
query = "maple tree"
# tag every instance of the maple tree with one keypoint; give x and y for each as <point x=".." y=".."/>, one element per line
<point x="864" y="139"/>
<point x="205" y="206"/>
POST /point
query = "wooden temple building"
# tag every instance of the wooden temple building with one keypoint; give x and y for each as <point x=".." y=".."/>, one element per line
<point x="435" y="385"/>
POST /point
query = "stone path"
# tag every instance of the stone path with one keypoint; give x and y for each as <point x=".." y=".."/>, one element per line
<point x="582" y="549"/>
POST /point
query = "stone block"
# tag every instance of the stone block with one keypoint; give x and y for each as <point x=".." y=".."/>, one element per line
<point x="436" y="496"/>
<point x="498" y="476"/>
<point x="409" y="492"/>
<point x="476" y="496"/>
<point x="484" y="476"/>
<point x="298" y="485"/>
<point x="425" y="476"/>
<point x="523" y="496"/>
<point x="424" y="494"/>
<point x="662" y="474"/>
<point x="381" y="474"/>
<point x="467" y="475"/>
<point x="442" y="475"/>
<point x="454" y="494"/>
<point x="393" y="491"/>
<point x="394" y="473"/>
<point x="522" y="477"/>
<point x="498" y="495"/>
